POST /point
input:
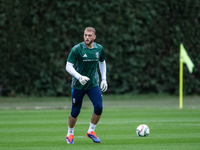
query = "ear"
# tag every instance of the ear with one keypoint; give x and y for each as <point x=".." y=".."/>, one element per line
<point x="95" y="37"/>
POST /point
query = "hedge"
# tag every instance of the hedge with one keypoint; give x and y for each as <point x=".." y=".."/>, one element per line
<point x="141" y="39"/>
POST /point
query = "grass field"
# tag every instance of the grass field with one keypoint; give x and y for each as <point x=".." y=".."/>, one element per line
<point x="41" y="123"/>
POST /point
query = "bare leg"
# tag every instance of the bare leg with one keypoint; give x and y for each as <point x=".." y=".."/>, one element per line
<point x="71" y="121"/>
<point x="70" y="134"/>
<point x="90" y="133"/>
<point x="95" y="118"/>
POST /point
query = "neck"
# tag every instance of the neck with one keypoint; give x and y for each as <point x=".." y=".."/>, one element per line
<point x="90" y="46"/>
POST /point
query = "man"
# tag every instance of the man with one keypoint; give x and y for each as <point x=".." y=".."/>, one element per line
<point x="82" y="64"/>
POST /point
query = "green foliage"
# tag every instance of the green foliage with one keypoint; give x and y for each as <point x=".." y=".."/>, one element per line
<point x="141" y="40"/>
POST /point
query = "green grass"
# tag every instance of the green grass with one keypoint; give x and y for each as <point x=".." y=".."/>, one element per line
<point x="28" y="128"/>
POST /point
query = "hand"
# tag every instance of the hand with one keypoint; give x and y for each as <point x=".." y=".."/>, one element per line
<point x="83" y="80"/>
<point x="104" y="85"/>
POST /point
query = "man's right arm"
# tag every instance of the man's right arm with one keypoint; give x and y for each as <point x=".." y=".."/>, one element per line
<point x="72" y="71"/>
<point x="82" y="79"/>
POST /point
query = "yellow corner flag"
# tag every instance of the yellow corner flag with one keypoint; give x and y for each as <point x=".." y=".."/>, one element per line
<point x="184" y="58"/>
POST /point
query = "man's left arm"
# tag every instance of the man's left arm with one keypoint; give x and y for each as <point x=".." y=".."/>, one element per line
<point x="102" y="68"/>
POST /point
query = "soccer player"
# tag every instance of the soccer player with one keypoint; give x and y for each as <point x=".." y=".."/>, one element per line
<point x="82" y="64"/>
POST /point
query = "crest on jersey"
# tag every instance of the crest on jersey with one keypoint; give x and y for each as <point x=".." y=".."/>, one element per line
<point x="97" y="54"/>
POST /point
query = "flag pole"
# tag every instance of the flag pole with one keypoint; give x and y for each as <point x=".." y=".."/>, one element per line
<point x="181" y="86"/>
<point x="184" y="58"/>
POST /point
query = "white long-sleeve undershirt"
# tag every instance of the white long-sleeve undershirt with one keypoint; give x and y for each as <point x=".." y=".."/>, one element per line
<point x="70" y="69"/>
<point x="102" y="68"/>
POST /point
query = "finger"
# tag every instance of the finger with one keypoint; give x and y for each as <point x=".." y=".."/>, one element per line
<point x="103" y="88"/>
<point x="87" y="79"/>
<point x="83" y="83"/>
<point x="106" y="88"/>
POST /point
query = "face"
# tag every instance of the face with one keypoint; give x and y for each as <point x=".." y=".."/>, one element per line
<point x="89" y="37"/>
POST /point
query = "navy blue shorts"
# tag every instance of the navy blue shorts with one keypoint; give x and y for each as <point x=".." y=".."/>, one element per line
<point x="95" y="96"/>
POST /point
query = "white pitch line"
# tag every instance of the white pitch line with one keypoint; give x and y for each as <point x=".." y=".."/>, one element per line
<point x="80" y="137"/>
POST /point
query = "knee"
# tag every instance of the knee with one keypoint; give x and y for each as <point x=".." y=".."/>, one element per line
<point x="75" y="112"/>
<point x="98" y="110"/>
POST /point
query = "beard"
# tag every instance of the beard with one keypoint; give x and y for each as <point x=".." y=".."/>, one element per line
<point x="88" y="42"/>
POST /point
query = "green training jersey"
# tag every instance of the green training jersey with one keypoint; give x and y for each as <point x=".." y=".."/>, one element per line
<point x="85" y="62"/>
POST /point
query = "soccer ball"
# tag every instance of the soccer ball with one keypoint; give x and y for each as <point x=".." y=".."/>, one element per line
<point x="142" y="130"/>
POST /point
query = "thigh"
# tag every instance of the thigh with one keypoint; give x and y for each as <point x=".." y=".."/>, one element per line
<point x="77" y="97"/>
<point x="95" y="96"/>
